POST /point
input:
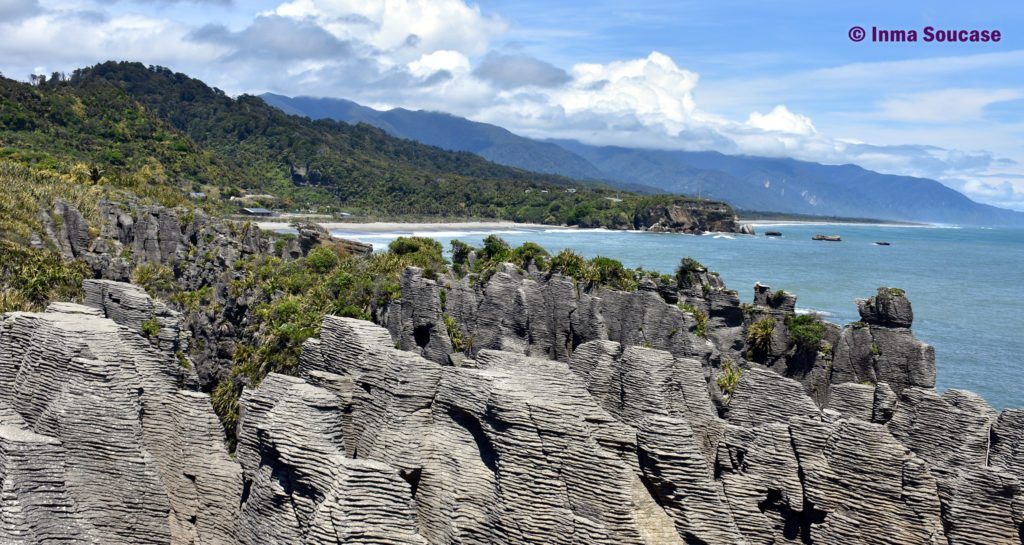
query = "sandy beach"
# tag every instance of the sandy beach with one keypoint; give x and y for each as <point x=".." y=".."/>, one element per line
<point x="383" y="227"/>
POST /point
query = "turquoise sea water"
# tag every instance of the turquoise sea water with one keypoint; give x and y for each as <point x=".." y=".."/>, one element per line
<point x="965" y="284"/>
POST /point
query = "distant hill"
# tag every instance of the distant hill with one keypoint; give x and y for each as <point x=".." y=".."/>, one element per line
<point x="746" y="182"/>
<point x="146" y="128"/>
<point x="448" y="132"/>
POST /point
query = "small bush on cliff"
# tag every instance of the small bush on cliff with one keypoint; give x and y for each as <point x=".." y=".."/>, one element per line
<point x="322" y="259"/>
<point x="422" y="252"/>
<point x="610" y="272"/>
<point x="156" y="279"/>
<point x="729" y="377"/>
<point x="759" y="337"/>
<point x="151" y="328"/>
<point x="806" y="331"/>
<point x="777" y="297"/>
<point x="454" y="333"/>
<point x="570" y="264"/>
<point x="531" y="252"/>
<point x="460" y="252"/>
<point x="687" y="271"/>
<point x="496" y="249"/>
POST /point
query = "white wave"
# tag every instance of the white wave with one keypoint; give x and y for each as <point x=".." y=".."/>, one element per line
<point x="822" y="313"/>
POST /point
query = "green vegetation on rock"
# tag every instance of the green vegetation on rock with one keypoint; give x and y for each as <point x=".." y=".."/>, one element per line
<point x="806" y="331"/>
<point x="31" y="278"/>
<point x="759" y="336"/>
<point x="729" y="377"/>
<point x="702" y="319"/>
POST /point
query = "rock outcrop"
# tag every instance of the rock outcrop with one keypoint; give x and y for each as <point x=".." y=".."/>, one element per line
<point x="374" y="444"/>
<point x="549" y="315"/>
<point x="131" y="458"/>
<point x="689" y="217"/>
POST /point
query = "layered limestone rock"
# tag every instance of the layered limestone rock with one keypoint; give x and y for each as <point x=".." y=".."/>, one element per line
<point x="198" y="251"/>
<point x="689" y="217"/>
<point x="882" y="348"/>
<point x="598" y="441"/>
<point x="142" y="462"/>
<point x="551" y="316"/>
<point x="536" y="314"/>
<point x="300" y="487"/>
<point x="35" y="506"/>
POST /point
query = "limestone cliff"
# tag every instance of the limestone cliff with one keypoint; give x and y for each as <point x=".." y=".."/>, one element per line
<point x="373" y="444"/>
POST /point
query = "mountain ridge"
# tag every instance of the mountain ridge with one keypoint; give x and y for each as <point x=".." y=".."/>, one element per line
<point x="747" y="182"/>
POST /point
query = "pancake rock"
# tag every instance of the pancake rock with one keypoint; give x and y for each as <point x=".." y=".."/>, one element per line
<point x="143" y="462"/>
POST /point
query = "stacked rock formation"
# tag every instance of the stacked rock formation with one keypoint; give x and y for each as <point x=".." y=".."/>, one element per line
<point x="98" y="444"/>
<point x="612" y="444"/>
<point x="621" y="445"/>
<point x="550" y="316"/>
<point x="192" y="249"/>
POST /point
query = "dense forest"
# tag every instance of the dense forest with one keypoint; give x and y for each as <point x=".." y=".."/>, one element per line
<point x="126" y="124"/>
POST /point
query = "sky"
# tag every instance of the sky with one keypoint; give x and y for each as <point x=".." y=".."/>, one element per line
<point x="779" y="79"/>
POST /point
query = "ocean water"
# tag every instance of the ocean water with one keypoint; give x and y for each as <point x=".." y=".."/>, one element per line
<point x="965" y="284"/>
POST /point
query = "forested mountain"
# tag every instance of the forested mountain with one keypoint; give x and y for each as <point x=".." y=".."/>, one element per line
<point x="748" y="183"/>
<point x="449" y="132"/>
<point x="126" y="120"/>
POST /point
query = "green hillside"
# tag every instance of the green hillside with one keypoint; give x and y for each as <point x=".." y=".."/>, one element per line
<point x="124" y="123"/>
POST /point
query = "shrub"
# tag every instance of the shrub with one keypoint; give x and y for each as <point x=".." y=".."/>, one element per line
<point x="530" y="252"/>
<point x="495" y="249"/>
<point x="702" y="319"/>
<point x="729" y="377"/>
<point x="192" y="300"/>
<point x="422" y="252"/>
<point x="686" y="272"/>
<point x="151" y="328"/>
<point x="895" y="292"/>
<point x="777" y="297"/>
<point x="606" y="271"/>
<point x="322" y="260"/>
<point x="570" y="264"/>
<point x="806" y="331"/>
<point x="460" y="252"/>
<point x="31" y="278"/>
<point x="454" y="334"/>
<point x="759" y="336"/>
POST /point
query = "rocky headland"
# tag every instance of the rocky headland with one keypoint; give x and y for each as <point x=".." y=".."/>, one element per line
<point x="509" y="406"/>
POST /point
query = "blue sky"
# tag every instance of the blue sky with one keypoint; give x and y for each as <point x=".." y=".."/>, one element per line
<point x="779" y="78"/>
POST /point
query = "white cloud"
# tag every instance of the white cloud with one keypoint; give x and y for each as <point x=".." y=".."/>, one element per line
<point x="780" y="119"/>
<point x="402" y="30"/>
<point x="438" y="54"/>
<point x="946" y="105"/>
<point x="438" y="61"/>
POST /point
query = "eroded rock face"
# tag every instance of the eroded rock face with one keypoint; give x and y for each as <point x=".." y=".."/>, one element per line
<point x="535" y="314"/>
<point x="608" y="443"/>
<point x="624" y="445"/>
<point x="35" y="506"/>
<point x="140" y="460"/>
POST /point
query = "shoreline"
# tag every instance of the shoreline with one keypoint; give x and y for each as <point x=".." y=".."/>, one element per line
<point x="431" y="227"/>
<point x="798" y="223"/>
<point x="393" y="226"/>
